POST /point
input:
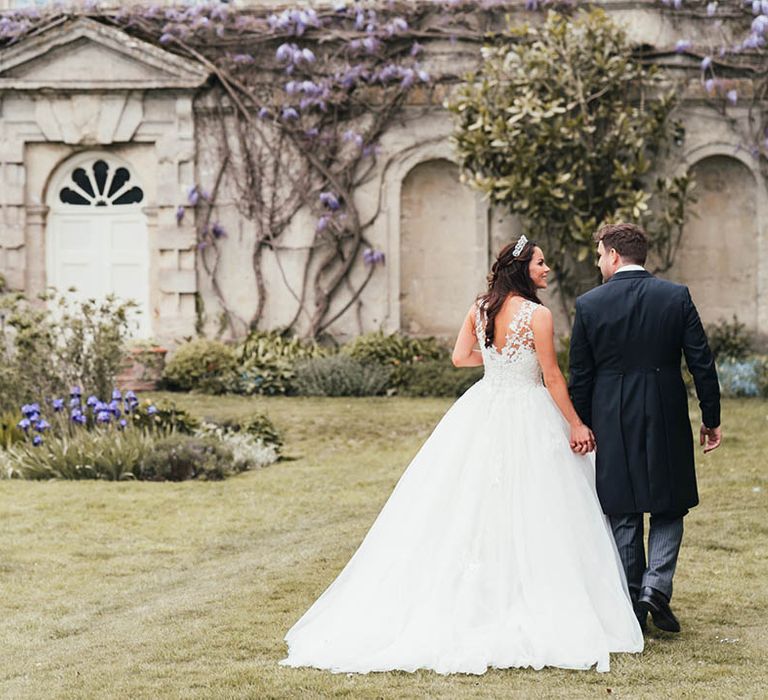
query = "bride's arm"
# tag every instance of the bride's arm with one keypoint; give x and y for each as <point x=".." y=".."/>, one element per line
<point x="582" y="439"/>
<point x="465" y="354"/>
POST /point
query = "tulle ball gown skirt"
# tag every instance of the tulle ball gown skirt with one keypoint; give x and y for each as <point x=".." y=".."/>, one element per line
<point x="492" y="551"/>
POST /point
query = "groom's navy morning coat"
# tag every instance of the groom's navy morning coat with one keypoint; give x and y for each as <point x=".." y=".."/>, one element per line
<point x="626" y="384"/>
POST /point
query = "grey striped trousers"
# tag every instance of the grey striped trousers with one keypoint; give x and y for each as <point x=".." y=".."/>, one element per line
<point x="664" y="538"/>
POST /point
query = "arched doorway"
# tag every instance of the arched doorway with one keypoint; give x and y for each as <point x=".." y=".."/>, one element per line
<point x="97" y="241"/>
<point x="718" y="255"/>
<point x="443" y="251"/>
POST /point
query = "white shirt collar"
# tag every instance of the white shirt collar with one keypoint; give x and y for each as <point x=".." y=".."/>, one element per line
<point x="630" y="268"/>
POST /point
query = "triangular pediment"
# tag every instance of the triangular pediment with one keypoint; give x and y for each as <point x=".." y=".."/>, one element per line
<point x="83" y="54"/>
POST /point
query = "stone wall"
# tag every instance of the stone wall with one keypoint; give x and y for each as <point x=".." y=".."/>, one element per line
<point x="438" y="236"/>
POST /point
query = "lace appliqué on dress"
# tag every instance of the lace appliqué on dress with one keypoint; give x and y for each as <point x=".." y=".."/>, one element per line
<point x="519" y="332"/>
<point x="516" y="363"/>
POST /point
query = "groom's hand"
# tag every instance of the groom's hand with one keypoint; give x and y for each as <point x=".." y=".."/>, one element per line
<point x="710" y="438"/>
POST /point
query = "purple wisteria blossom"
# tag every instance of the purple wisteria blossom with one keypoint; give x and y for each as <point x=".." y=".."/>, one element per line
<point x="371" y="256"/>
<point x="330" y="200"/>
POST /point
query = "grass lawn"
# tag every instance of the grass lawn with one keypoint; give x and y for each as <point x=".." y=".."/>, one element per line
<point x="160" y="590"/>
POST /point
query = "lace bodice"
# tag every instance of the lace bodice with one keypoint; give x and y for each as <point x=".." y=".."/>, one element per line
<point x="516" y="365"/>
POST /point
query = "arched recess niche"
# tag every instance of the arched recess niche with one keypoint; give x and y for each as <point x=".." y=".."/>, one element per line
<point x="719" y="257"/>
<point x="437" y="242"/>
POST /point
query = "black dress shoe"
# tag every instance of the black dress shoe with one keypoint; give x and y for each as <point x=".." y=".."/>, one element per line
<point x="656" y="603"/>
<point x="642" y="618"/>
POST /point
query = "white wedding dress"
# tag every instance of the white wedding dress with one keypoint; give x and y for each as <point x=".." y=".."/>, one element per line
<point x="492" y="550"/>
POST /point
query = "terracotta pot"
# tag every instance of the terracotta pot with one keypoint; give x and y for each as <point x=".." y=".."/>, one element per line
<point x="143" y="369"/>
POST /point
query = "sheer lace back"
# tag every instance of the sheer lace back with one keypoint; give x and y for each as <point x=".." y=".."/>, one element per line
<point x="516" y="364"/>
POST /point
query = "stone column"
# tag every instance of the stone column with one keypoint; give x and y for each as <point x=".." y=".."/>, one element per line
<point x="36" y="277"/>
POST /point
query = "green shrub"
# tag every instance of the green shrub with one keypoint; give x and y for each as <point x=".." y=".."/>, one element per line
<point x="44" y="351"/>
<point x="203" y="365"/>
<point x="341" y="375"/>
<point x="729" y="339"/>
<point x="106" y="453"/>
<point x="10" y="434"/>
<point x="396" y="351"/>
<point x="183" y="457"/>
<point x="267" y="362"/>
<point x="248" y="451"/>
<point x="164" y="417"/>
<point x="744" y="377"/>
<point x="437" y="378"/>
<point x="257" y="426"/>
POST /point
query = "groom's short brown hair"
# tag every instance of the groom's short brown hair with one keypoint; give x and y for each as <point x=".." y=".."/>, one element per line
<point x="628" y="240"/>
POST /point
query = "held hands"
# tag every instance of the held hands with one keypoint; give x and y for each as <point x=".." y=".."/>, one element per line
<point x="710" y="438"/>
<point x="582" y="439"/>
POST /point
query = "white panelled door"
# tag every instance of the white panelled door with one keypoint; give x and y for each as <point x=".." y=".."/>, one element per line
<point x="97" y="238"/>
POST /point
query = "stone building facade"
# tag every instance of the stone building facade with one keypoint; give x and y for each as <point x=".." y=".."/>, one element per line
<point x="102" y="135"/>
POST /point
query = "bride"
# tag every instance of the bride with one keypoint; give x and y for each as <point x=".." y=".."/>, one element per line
<point x="492" y="550"/>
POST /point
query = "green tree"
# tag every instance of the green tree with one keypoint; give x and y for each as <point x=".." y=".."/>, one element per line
<point x="563" y="125"/>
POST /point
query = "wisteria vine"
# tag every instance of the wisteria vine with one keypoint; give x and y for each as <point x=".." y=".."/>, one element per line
<point x="302" y="97"/>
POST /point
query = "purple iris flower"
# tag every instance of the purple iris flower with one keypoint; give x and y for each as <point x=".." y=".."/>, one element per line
<point x="103" y="417"/>
<point x="78" y="417"/>
<point x="58" y="405"/>
<point x="179" y="213"/>
<point x="683" y="45"/>
<point x="114" y="408"/>
<point x="732" y="96"/>
<point x="290" y="113"/>
<point x="42" y="425"/>
<point x="24" y="424"/>
<point x="30" y="409"/>
<point x="151" y="410"/>
<point x="91" y="400"/>
<point x="130" y="396"/>
<point x="75" y="391"/>
<point x="37" y="440"/>
<point x="263" y="113"/>
<point x="193" y="195"/>
<point x="122" y="423"/>
<point x="706" y="63"/>
<point x="218" y="230"/>
<point x="116" y="395"/>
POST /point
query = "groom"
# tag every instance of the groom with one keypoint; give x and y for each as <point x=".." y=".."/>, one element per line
<point x="626" y="384"/>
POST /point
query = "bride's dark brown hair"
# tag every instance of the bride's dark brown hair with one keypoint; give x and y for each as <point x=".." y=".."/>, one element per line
<point x="509" y="275"/>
